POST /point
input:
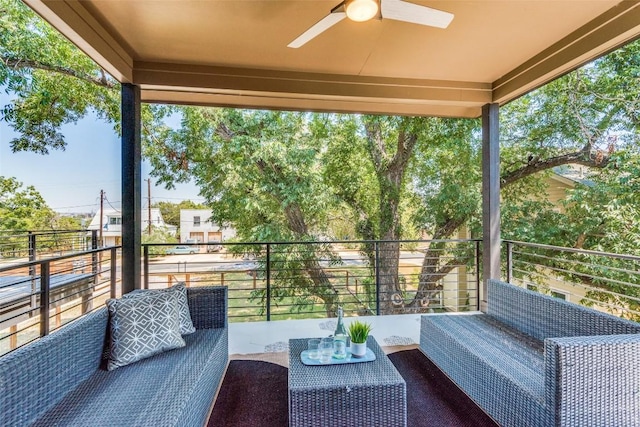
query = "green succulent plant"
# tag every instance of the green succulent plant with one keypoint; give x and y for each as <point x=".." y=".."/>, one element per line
<point x="359" y="331"/>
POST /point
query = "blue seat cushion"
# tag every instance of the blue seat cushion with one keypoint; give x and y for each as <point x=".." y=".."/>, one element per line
<point x="162" y="390"/>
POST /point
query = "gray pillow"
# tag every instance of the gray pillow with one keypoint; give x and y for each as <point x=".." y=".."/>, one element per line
<point x="143" y="326"/>
<point x="180" y="289"/>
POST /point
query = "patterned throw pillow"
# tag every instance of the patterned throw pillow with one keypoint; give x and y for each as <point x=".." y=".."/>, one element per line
<point x="180" y="289"/>
<point x="143" y="326"/>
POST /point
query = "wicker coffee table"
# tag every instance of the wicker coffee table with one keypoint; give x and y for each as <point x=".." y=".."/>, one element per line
<point x="358" y="394"/>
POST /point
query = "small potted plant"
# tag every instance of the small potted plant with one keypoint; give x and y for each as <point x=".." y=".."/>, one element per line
<point x="358" y="332"/>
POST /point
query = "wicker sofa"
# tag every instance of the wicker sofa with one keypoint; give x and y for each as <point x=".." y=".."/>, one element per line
<point x="535" y="360"/>
<point x="60" y="379"/>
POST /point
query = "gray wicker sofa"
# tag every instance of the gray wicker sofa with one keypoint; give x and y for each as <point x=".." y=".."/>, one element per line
<point x="535" y="360"/>
<point x="59" y="380"/>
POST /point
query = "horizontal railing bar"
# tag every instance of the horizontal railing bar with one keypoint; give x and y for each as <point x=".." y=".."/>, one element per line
<point x="588" y="288"/>
<point x="317" y="242"/>
<point x="58" y="258"/>
<point x="578" y="262"/>
<point x="609" y="280"/>
<point x="574" y="250"/>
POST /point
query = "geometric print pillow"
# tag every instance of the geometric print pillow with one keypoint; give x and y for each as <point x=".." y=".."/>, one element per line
<point x="186" y="324"/>
<point x="142" y="326"/>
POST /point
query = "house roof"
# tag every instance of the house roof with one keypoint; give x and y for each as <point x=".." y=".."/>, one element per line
<point x="156" y="218"/>
<point x="234" y="53"/>
<point x="572" y="175"/>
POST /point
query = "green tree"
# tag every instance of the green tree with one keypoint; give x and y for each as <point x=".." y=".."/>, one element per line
<point x="589" y="117"/>
<point x="368" y="162"/>
<point x="259" y="171"/>
<point x="52" y="83"/>
<point x="158" y="235"/>
<point x="23" y="209"/>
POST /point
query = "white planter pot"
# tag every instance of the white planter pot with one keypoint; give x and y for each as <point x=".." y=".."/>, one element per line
<point x="358" y="349"/>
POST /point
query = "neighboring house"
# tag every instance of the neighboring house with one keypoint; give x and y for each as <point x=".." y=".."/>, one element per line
<point x="562" y="179"/>
<point x="559" y="183"/>
<point x="112" y="224"/>
<point x="457" y="284"/>
<point x="195" y="227"/>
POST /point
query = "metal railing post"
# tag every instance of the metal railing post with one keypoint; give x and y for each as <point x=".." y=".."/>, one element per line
<point x="509" y="261"/>
<point x="268" y="282"/>
<point x="95" y="258"/>
<point x="44" y="298"/>
<point x="377" y="271"/>
<point x="32" y="268"/>
<point x="145" y="267"/>
<point x="478" y="261"/>
<point x="114" y="266"/>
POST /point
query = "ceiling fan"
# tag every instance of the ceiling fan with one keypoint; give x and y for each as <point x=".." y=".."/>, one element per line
<point x="364" y="10"/>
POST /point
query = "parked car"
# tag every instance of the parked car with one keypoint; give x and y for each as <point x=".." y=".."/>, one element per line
<point x="181" y="250"/>
<point x="213" y="246"/>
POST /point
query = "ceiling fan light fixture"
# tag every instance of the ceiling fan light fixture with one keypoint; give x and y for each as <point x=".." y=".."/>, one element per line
<point x="361" y="10"/>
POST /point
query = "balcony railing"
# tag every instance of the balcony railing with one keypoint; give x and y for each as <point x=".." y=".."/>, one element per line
<point x="605" y="281"/>
<point x="32" y="245"/>
<point x="278" y="280"/>
<point x="37" y="297"/>
<point x="295" y="280"/>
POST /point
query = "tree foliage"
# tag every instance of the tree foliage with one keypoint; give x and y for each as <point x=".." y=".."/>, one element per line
<point x="279" y="176"/>
<point x="51" y="81"/>
<point x="23" y="208"/>
<point x="259" y="171"/>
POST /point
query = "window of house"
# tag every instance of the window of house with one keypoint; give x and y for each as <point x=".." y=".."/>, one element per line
<point x="558" y="294"/>
<point x="115" y="220"/>
<point x="196" y="221"/>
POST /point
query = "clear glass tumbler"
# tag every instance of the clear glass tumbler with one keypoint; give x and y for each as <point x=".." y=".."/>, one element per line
<point x="326" y="350"/>
<point x="314" y="348"/>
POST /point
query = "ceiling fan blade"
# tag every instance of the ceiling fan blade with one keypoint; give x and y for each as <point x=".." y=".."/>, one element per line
<point x="409" y="12"/>
<point x="324" y="24"/>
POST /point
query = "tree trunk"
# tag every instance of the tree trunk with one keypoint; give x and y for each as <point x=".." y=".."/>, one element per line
<point x="390" y="293"/>
<point x="322" y="287"/>
<point x="431" y="272"/>
<point x="390" y="170"/>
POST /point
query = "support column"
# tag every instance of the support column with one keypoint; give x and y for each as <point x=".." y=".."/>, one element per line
<point x="131" y="188"/>
<point x="490" y="197"/>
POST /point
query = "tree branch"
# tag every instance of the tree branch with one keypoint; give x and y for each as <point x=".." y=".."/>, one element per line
<point x="16" y="63"/>
<point x="585" y="157"/>
<point x="376" y="146"/>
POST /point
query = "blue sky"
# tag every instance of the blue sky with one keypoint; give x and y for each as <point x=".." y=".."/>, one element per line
<point x="71" y="180"/>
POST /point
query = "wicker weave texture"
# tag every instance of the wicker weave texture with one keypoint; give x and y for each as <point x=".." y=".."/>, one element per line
<point x="208" y="306"/>
<point x="543" y="316"/>
<point x="594" y="381"/>
<point x="588" y="380"/>
<point x="503" y="375"/>
<point x="175" y="388"/>
<point x="361" y="394"/>
<point x="35" y="377"/>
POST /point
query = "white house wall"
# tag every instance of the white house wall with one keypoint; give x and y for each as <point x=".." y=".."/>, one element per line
<point x="190" y="229"/>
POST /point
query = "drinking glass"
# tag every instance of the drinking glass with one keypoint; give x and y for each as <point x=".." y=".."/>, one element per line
<point x="326" y="350"/>
<point x="339" y="348"/>
<point x="313" y="346"/>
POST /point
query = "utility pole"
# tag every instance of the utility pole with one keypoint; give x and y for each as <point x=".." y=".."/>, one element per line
<point x="101" y="216"/>
<point x="149" y="204"/>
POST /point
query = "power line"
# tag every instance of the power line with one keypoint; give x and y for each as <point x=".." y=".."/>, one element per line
<point x="71" y="207"/>
<point x="178" y="198"/>
<point x="109" y="203"/>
